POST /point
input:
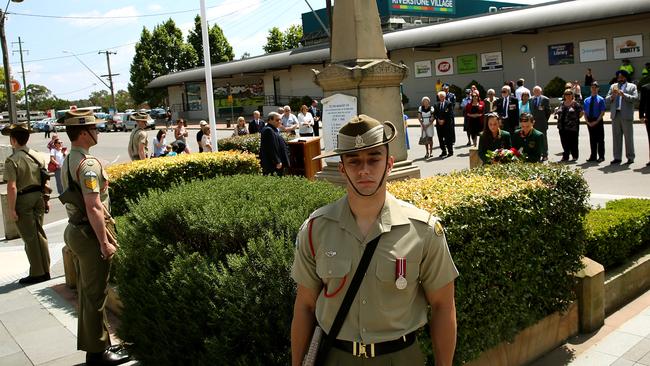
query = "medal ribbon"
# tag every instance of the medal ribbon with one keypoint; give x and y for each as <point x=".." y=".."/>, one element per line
<point x="400" y="267"/>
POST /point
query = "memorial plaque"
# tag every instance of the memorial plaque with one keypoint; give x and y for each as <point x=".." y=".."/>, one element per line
<point x="337" y="110"/>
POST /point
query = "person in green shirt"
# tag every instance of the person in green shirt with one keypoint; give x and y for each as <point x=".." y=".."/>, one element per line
<point x="492" y="137"/>
<point x="627" y="66"/>
<point x="528" y="140"/>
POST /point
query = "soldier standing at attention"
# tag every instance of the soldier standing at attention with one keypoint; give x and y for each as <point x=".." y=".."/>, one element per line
<point x="409" y="268"/>
<point x="138" y="143"/>
<point x="90" y="237"/>
<point x="27" y="200"/>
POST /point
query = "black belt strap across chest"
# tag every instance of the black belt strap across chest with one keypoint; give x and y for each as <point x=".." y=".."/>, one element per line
<point x="359" y="274"/>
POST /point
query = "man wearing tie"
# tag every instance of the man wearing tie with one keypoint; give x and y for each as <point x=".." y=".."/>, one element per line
<point x="256" y="124"/>
<point x="595" y="110"/>
<point x="315" y="112"/>
<point x="541" y="112"/>
<point x="508" y="109"/>
<point x="622" y="96"/>
<point x="444" y="115"/>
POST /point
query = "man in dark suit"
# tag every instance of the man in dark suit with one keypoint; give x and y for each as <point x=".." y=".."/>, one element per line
<point x="274" y="154"/>
<point x="315" y="112"/>
<point x="256" y="124"/>
<point x="443" y="112"/>
<point x="541" y="109"/>
<point x="508" y="109"/>
<point x="644" y="110"/>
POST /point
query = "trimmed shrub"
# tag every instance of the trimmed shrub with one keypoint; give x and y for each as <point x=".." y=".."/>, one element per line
<point x="129" y="181"/>
<point x="617" y="231"/>
<point x="516" y="233"/>
<point x="204" y="271"/>
<point x="246" y="143"/>
<point x="555" y="87"/>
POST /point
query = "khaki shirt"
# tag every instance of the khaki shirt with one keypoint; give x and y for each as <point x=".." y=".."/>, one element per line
<point x="87" y="172"/>
<point x="380" y="311"/>
<point x="138" y="136"/>
<point x="22" y="169"/>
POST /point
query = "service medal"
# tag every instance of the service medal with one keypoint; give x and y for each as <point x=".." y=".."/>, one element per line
<point x="400" y="273"/>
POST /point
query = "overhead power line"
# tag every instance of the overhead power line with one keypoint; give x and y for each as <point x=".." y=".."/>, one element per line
<point x="103" y="16"/>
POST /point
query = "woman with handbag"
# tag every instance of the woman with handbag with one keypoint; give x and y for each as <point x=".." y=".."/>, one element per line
<point x="57" y="156"/>
<point x="425" y="116"/>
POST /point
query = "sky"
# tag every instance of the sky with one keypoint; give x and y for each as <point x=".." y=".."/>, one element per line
<point x="115" y="25"/>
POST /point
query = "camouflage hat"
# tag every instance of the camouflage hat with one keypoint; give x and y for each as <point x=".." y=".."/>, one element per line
<point x="20" y="126"/>
<point x="140" y="117"/>
<point x="78" y="118"/>
<point x="361" y="133"/>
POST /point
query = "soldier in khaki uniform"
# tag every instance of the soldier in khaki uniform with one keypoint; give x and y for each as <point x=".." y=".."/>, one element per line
<point x="138" y="143"/>
<point x="27" y="200"/>
<point x="410" y="270"/>
<point x="88" y="207"/>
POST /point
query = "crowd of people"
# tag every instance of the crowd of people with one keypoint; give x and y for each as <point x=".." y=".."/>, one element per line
<point x="519" y="119"/>
<point x="273" y="149"/>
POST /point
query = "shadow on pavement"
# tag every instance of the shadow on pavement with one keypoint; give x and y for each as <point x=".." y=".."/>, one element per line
<point x="10" y="287"/>
<point x="644" y="170"/>
<point x="614" y="168"/>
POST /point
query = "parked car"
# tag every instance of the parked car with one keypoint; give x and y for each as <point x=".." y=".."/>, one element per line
<point x="115" y="123"/>
<point x="158" y="113"/>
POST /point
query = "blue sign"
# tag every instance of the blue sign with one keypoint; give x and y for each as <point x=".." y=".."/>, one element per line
<point x="560" y="54"/>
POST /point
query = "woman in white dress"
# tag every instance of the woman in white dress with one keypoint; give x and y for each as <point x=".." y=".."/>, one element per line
<point x="425" y="116"/>
<point x="306" y="122"/>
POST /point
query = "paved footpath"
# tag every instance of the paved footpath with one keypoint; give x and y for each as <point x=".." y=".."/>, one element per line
<point x="38" y="326"/>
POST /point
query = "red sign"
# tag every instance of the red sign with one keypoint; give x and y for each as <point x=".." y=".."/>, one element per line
<point x="15" y="86"/>
<point x="444" y="66"/>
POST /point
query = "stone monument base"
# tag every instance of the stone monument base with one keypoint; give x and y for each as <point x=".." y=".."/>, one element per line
<point x="401" y="170"/>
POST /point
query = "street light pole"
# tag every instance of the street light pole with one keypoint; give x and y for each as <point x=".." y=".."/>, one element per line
<point x="207" y="65"/>
<point x="11" y="98"/>
<point x="22" y="66"/>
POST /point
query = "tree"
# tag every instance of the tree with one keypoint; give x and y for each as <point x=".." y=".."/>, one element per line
<point x="292" y="37"/>
<point x="280" y="41"/>
<point x="123" y="100"/>
<point x="158" y="53"/>
<point x="220" y="49"/>
<point x="38" y="94"/>
<point x="101" y="98"/>
<point x="245" y="55"/>
<point x="274" y="41"/>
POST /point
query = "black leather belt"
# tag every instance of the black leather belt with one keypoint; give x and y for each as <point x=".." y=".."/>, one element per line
<point x="29" y="190"/>
<point x="375" y="349"/>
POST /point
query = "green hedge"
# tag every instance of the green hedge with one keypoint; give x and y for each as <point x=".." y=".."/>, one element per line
<point x="130" y="181"/>
<point x="515" y="245"/>
<point x="620" y="229"/>
<point x="204" y="270"/>
<point x="246" y="143"/>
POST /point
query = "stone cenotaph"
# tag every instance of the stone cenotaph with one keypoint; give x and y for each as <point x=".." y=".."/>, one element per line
<point x="360" y="71"/>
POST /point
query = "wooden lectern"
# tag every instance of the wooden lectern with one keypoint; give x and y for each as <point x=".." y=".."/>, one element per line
<point x="301" y="152"/>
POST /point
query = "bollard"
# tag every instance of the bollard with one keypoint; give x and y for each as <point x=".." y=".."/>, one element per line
<point x="590" y="292"/>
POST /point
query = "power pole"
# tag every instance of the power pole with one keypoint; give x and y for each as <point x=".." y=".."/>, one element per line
<point x="22" y="66"/>
<point x="110" y="76"/>
<point x="11" y="98"/>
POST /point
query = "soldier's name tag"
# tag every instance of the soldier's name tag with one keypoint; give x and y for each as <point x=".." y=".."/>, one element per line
<point x="400" y="273"/>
